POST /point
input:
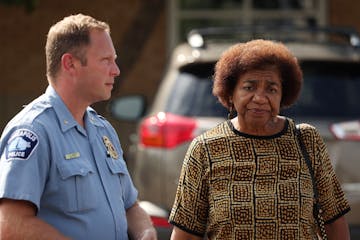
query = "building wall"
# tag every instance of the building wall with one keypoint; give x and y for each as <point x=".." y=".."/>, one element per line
<point x="138" y="32"/>
<point x="344" y="13"/>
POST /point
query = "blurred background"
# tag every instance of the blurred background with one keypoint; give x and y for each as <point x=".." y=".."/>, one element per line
<point x="144" y="33"/>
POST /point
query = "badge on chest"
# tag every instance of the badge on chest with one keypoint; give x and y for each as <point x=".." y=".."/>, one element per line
<point x="110" y="149"/>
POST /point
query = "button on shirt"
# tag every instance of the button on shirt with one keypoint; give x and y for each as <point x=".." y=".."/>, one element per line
<point x="78" y="181"/>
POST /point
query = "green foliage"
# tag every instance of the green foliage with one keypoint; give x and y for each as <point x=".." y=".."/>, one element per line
<point x="29" y="5"/>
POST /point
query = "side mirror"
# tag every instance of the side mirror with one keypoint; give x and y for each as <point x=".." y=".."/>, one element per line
<point x="128" y="108"/>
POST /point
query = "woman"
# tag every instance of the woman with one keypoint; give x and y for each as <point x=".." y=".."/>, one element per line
<point x="247" y="178"/>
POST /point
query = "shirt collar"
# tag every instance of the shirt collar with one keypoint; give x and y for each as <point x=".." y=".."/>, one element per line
<point x="92" y="117"/>
<point x="66" y="119"/>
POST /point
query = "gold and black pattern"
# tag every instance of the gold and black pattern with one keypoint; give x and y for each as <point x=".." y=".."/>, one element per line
<point x="306" y="207"/>
<point x="266" y="165"/>
<point x="243" y="215"/>
<point x="241" y="193"/>
<point x="235" y="186"/>
<point x="285" y="148"/>
<point x="289" y="171"/>
<point x="219" y="151"/>
<point x="241" y="150"/>
<point x="265" y="208"/>
<point x="288" y="191"/>
<point x="243" y="172"/>
<point x="331" y="196"/>
<point x="288" y="214"/>
<point x="289" y="233"/>
<point x="192" y="172"/>
<point x="244" y="233"/>
<point x="265" y="186"/>
<point x="264" y="230"/>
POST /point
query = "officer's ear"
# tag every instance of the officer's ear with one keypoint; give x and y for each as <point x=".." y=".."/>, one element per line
<point x="68" y="62"/>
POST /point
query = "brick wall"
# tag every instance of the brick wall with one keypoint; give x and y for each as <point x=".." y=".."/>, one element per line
<point x="137" y="29"/>
<point x="344" y="13"/>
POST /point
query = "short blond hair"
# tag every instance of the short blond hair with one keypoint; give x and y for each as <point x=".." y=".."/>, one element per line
<point x="70" y="35"/>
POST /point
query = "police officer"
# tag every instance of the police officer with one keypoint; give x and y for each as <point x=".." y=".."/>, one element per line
<point x="62" y="174"/>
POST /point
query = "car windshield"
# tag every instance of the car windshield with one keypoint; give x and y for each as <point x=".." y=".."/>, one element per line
<point x="192" y="93"/>
<point x="331" y="89"/>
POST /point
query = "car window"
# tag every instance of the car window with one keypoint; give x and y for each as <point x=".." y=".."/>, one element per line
<point x="192" y="95"/>
<point x="331" y="89"/>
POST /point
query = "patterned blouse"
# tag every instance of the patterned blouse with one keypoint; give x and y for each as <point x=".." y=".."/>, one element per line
<point x="239" y="186"/>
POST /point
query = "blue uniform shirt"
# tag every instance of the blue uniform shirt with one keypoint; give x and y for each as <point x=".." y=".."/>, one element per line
<point x="76" y="176"/>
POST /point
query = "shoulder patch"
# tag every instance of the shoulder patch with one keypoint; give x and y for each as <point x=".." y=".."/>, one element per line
<point x="21" y="144"/>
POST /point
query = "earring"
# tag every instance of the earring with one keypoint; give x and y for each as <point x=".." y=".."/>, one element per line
<point x="232" y="113"/>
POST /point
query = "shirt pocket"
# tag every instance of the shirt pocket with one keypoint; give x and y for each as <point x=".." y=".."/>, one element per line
<point x="117" y="166"/>
<point x="120" y="174"/>
<point x="77" y="184"/>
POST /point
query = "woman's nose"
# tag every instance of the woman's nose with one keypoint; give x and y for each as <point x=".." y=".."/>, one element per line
<point x="259" y="96"/>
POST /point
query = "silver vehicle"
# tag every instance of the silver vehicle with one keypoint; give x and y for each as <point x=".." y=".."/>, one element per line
<point x="184" y="107"/>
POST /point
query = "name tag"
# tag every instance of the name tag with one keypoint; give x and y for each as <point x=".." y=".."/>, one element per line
<point x="72" y="155"/>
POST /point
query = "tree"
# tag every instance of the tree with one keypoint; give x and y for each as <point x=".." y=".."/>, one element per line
<point x="28" y="4"/>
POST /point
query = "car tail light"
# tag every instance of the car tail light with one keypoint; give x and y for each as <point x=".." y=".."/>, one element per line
<point x="166" y="130"/>
<point x="160" y="222"/>
<point x="346" y="130"/>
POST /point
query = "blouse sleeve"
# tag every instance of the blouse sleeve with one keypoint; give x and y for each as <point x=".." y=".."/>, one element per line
<point x="331" y="196"/>
<point x="190" y="209"/>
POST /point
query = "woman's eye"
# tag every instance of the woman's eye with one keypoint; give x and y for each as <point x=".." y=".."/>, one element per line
<point x="273" y="90"/>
